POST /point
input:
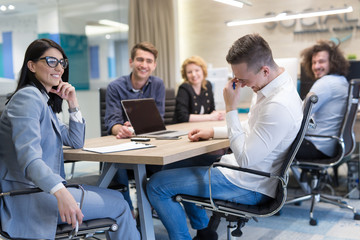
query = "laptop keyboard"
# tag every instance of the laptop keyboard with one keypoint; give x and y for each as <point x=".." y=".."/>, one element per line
<point x="163" y="132"/>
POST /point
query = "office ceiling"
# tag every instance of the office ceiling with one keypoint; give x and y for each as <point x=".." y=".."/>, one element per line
<point x="88" y="10"/>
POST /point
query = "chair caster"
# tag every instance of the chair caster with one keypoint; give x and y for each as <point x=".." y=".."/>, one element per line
<point x="356" y="216"/>
<point x="313" y="222"/>
<point x="297" y="204"/>
<point x="237" y="233"/>
<point x="278" y="213"/>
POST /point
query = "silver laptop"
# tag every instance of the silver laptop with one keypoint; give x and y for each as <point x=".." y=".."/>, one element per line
<point x="146" y="120"/>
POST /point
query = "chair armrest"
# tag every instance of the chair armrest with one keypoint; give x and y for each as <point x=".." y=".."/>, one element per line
<point x="31" y="190"/>
<point x="248" y="170"/>
<point x="324" y="136"/>
<point x="256" y="172"/>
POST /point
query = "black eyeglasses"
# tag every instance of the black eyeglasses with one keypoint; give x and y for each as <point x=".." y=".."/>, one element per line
<point x="53" y="62"/>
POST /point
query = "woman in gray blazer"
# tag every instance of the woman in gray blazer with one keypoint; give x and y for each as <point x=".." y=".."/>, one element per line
<point x="31" y="154"/>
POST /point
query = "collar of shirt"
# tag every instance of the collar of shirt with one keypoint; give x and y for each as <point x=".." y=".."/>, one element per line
<point x="129" y="85"/>
<point x="274" y="86"/>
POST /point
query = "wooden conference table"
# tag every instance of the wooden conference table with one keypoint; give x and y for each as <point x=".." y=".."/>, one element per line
<point x="165" y="152"/>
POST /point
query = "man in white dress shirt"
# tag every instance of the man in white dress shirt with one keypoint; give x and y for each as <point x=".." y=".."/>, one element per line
<point x="261" y="143"/>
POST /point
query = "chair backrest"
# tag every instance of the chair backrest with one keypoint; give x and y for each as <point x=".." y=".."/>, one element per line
<point x="347" y="128"/>
<point x="102" y="97"/>
<point x="170" y="102"/>
<point x="308" y="104"/>
<point x="3" y="100"/>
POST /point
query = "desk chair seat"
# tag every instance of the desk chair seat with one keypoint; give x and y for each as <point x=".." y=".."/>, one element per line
<point x="241" y="213"/>
<point x="316" y="170"/>
<point x="87" y="229"/>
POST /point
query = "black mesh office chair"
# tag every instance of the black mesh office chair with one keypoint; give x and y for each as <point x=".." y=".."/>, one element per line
<point x="316" y="169"/>
<point x="3" y="100"/>
<point x="170" y="102"/>
<point x="240" y="213"/>
<point x="87" y="229"/>
<point x="102" y="97"/>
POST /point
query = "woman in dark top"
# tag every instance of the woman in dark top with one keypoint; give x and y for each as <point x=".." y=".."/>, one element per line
<point x="195" y="99"/>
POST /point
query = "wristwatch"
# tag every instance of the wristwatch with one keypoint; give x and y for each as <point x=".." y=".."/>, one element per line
<point x="72" y="110"/>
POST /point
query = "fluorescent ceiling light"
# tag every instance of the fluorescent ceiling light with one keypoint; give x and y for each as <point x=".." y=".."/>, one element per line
<point x="284" y="16"/>
<point x="105" y="27"/>
<point x="231" y="2"/>
<point x="120" y="26"/>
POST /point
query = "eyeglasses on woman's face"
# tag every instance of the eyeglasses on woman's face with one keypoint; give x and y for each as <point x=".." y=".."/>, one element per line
<point x="53" y="62"/>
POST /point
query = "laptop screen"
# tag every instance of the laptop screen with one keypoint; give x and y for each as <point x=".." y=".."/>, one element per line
<point x="143" y="115"/>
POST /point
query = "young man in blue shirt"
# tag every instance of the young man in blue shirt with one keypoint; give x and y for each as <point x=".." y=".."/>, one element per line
<point x="139" y="84"/>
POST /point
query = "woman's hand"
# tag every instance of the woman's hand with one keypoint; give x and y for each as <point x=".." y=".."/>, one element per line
<point x="68" y="208"/>
<point x="67" y="92"/>
<point x="217" y="115"/>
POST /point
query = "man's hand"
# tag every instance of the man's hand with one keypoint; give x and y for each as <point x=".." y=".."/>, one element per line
<point x="123" y="131"/>
<point x="231" y="95"/>
<point x="200" y="134"/>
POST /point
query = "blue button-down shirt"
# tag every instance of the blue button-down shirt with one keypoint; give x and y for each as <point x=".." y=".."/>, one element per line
<point x="122" y="89"/>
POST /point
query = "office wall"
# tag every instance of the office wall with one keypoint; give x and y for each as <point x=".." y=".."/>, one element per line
<point x="202" y="29"/>
<point x="90" y="110"/>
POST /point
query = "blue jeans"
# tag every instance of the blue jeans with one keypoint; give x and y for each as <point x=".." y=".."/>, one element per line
<point x="164" y="185"/>
<point x="201" y="160"/>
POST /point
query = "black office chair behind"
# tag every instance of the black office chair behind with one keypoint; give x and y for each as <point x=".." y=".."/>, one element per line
<point x="317" y="168"/>
<point x="170" y="102"/>
<point x="240" y="213"/>
<point x="88" y="229"/>
<point x="102" y="98"/>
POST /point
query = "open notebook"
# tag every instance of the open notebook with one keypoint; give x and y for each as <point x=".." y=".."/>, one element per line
<point x="145" y="118"/>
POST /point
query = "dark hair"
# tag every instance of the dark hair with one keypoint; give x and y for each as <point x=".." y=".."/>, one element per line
<point x="145" y="46"/>
<point x="253" y="50"/>
<point x="34" y="51"/>
<point x="197" y="61"/>
<point x="338" y="63"/>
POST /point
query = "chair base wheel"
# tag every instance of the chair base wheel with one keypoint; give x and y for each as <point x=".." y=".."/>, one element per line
<point x="313" y="222"/>
<point x="297" y="204"/>
<point x="278" y="213"/>
<point x="357" y="216"/>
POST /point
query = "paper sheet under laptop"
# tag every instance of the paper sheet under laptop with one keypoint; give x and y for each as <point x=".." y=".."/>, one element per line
<point x="120" y="147"/>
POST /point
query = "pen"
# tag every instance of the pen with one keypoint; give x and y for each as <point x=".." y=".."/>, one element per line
<point x="76" y="228"/>
<point x="146" y="144"/>
<point x="234" y="85"/>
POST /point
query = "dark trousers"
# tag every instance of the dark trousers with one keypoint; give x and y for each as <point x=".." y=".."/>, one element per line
<point x="309" y="151"/>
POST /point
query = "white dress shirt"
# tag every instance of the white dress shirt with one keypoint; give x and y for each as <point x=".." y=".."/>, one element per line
<point x="261" y="142"/>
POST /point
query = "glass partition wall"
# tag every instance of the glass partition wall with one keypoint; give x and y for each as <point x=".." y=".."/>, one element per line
<point x="93" y="34"/>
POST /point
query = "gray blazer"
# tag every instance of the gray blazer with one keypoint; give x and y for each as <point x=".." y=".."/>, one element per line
<point x="31" y="155"/>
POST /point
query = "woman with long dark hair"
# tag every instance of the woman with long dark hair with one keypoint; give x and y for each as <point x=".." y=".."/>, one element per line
<point x="31" y="154"/>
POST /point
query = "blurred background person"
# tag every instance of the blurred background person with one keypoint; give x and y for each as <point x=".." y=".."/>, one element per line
<point x="325" y="63"/>
<point x="195" y="99"/>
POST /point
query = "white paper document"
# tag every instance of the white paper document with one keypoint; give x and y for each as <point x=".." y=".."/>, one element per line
<point x="120" y="147"/>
